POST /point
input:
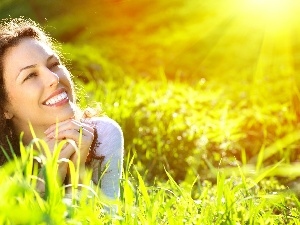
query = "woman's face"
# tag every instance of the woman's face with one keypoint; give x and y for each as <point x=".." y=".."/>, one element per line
<point x="38" y="86"/>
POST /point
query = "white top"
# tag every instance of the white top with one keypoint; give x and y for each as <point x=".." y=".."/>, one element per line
<point x="109" y="171"/>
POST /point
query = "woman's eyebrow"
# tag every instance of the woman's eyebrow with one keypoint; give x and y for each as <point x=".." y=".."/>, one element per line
<point x="27" y="67"/>
<point x="51" y="57"/>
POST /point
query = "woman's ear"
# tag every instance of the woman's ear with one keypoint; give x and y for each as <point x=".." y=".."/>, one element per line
<point x="8" y="115"/>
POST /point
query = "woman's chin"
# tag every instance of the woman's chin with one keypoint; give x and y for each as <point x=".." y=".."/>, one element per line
<point x="71" y="113"/>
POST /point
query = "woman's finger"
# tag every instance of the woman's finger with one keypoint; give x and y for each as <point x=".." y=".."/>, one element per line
<point x="66" y="151"/>
<point x="69" y="125"/>
<point x="84" y="135"/>
<point x="63" y="125"/>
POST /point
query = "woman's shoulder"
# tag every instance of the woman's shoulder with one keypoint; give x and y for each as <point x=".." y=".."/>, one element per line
<point x="105" y="124"/>
<point x="110" y="135"/>
<point x="104" y="121"/>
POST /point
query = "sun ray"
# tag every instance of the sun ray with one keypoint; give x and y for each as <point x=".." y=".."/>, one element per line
<point x="278" y="21"/>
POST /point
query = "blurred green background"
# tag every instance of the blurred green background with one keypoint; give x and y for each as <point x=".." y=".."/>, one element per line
<point x="195" y="85"/>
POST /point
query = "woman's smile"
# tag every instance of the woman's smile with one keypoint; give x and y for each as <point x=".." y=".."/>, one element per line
<point x="57" y="98"/>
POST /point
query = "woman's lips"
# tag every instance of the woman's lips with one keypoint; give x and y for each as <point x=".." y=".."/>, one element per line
<point x="58" y="97"/>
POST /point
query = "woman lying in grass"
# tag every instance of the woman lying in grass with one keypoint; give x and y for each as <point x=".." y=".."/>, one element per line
<point x="37" y="90"/>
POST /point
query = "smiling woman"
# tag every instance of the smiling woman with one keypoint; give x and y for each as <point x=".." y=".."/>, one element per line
<point x="36" y="90"/>
<point x="30" y="66"/>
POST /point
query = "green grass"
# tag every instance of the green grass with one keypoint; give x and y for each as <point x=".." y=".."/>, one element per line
<point x="234" y="200"/>
<point x="199" y="178"/>
<point x="201" y="127"/>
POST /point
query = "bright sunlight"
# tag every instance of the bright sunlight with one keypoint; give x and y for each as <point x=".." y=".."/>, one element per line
<point x="277" y="23"/>
<point x="272" y="13"/>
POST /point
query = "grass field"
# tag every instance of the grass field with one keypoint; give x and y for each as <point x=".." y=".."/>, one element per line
<point x="207" y="94"/>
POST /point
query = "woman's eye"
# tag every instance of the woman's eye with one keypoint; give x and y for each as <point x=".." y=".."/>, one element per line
<point x="31" y="75"/>
<point x="55" y="64"/>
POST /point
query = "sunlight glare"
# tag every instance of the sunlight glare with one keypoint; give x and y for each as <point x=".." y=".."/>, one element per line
<point x="275" y="13"/>
<point x="271" y="8"/>
<point x="278" y="21"/>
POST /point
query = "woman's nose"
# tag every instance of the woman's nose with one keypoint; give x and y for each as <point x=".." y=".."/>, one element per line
<point x="51" y="78"/>
<point x="54" y="80"/>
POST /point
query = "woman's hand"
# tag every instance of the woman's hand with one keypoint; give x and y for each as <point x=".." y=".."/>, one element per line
<point x="81" y="133"/>
<point x="66" y="152"/>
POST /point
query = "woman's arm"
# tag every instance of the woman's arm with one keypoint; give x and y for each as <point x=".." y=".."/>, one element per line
<point x="107" y="173"/>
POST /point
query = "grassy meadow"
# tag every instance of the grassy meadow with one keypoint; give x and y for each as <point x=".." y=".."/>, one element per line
<point x="207" y="95"/>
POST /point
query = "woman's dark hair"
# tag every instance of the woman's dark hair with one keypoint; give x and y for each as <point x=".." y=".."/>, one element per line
<point x="12" y="31"/>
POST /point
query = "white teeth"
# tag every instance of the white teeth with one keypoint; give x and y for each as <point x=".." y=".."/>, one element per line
<point x="56" y="98"/>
